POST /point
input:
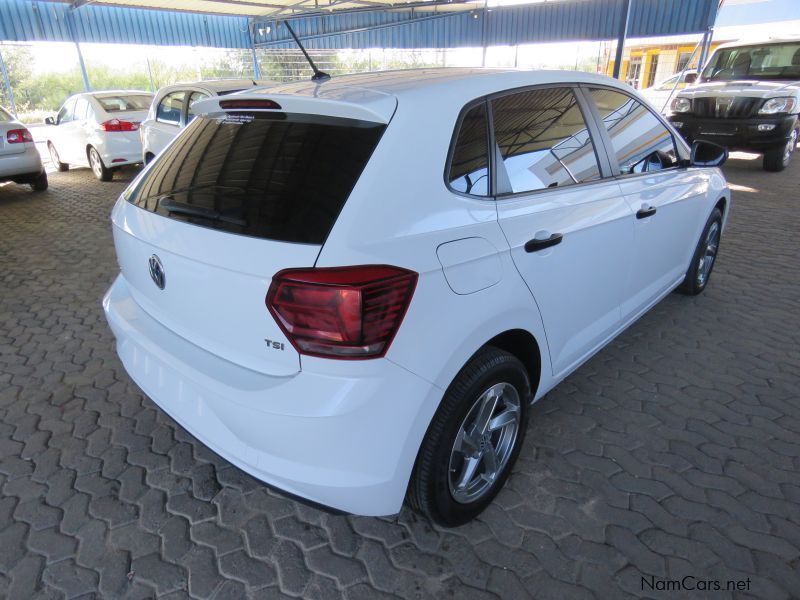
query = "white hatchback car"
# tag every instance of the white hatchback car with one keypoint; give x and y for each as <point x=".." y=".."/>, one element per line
<point x="98" y="130"/>
<point x="354" y="290"/>
<point x="19" y="160"/>
<point x="172" y="110"/>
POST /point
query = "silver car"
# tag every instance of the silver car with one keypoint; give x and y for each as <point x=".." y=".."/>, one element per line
<point x="19" y="160"/>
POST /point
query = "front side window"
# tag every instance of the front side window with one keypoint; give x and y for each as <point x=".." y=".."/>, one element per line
<point x="543" y="141"/>
<point x="66" y="114"/>
<point x="277" y="176"/>
<point x="469" y="165"/>
<point x="640" y="141"/>
<point x="170" y="107"/>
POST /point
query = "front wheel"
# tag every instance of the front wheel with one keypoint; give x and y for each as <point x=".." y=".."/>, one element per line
<point x="100" y="171"/>
<point x="55" y="159"/>
<point x="705" y="255"/>
<point x="473" y="440"/>
<point x="778" y="159"/>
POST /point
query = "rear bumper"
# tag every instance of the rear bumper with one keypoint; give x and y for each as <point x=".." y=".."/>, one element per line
<point x="344" y="442"/>
<point x="118" y="148"/>
<point x="736" y="134"/>
<point x="20" y="165"/>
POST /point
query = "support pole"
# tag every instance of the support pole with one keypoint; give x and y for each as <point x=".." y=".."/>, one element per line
<point x="623" y="32"/>
<point x="484" y="33"/>
<point x="84" y="74"/>
<point x="7" y="83"/>
<point x="707" y="36"/>
<point x="256" y="66"/>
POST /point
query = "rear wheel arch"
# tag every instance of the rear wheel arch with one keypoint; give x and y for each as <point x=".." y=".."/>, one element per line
<point x="523" y="345"/>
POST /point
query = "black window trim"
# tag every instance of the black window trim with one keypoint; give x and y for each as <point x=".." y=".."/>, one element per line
<point x="594" y="127"/>
<point x="680" y="148"/>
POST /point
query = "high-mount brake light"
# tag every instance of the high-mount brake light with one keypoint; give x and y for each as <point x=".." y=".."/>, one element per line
<point x="119" y="125"/>
<point x="18" y="136"/>
<point x="341" y="312"/>
<point x="249" y="104"/>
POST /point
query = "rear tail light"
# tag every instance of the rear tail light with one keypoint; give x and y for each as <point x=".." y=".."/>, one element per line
<point x="341" y="312"/>
<point x="18" y="136"/>
<point x="119" y="125"/>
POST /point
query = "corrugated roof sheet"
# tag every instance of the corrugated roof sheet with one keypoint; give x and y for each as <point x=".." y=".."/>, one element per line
<point x="26" y="20"/>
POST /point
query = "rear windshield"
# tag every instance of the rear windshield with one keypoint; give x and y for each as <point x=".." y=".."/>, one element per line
<point x="274" y="176"/>
<point x="124" y="103"/>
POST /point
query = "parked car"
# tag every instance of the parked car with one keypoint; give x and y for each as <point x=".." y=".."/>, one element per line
<point x="98" y="130"/>
<point x="747" y="98"/>
<point x="661" y="94"/>
<point x="172" y="109"/>
<point x="355" y="316"/>
<point x="19" y="160"/>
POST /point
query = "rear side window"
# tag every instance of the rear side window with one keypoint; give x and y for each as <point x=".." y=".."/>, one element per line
<point x="543" y="141"/>
<point x="170" y="107"/>
<point x="639" y="139"/>
<point x="469" y="164"/>
<point x="275" y="176"/>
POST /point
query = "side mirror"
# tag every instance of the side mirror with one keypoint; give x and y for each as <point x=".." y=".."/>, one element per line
<point x="49" y="121"/>
<point x="708" y="154"/>
<point x="690" y="78"/>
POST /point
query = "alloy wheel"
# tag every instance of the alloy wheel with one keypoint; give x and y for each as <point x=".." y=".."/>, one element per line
<point x="790" y="147"/>
<point x="96" y="163"/>
<point x="484" y="443"/>
<point x="709" y="254"/>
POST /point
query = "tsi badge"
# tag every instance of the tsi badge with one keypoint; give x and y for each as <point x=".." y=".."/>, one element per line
<point x="157" y="272"/>
<point x="274" y="345"/>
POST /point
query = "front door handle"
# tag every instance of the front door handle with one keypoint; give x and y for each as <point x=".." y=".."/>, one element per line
<point x="535" y="244"/>
<point x="643" y="213"/>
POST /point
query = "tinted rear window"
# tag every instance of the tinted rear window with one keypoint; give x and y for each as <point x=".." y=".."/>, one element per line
<point x="275" y="176"/>
<point x="124" y="103"/>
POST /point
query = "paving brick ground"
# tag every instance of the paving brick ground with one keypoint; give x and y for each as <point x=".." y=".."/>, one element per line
<point x="673" y="453"/>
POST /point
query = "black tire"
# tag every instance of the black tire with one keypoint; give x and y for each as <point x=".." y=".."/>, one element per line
<point x="692" y="283"/>
<point x="778" y="159"/>
<point x="148" y="158"/>
<point x="54" y="158"/>
<point x="39" y="184"/>
<point x="429" y="490"/>
<point x="100" y="170"/>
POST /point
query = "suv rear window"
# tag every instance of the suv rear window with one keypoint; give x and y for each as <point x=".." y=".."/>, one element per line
<point x="274" y="176"/>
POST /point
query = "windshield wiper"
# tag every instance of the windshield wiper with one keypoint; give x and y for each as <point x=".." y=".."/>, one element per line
<point x="170" y="205"/>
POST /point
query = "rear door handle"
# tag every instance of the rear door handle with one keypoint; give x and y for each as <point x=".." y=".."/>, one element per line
<point x="535" y="244"/>
<point x="643" y="213"/>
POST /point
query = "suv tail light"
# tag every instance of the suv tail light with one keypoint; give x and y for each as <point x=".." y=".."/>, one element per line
<point x="119" y="125"/>
<point x="341" y="312"/>
<point x="18" y="136"/>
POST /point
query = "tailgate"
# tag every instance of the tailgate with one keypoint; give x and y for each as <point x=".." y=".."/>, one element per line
<point x="230" y="202"/>
<point x="215" y="285"/>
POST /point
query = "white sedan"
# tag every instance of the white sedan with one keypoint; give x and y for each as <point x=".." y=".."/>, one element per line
<point x="172" y="110"/>
<point x="19" y="159"/>
<point x="98" y="130"/>
<point x="354" y="290"/>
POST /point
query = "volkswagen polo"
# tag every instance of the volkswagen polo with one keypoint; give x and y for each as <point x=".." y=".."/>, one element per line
<point x="354" y="290"/>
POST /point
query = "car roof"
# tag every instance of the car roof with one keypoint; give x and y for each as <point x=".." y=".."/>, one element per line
<point x="380" y="92"/>
<point x="758" y="42"/>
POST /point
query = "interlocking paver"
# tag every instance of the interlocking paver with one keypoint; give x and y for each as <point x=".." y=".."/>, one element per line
<point x="675" y="451"/>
